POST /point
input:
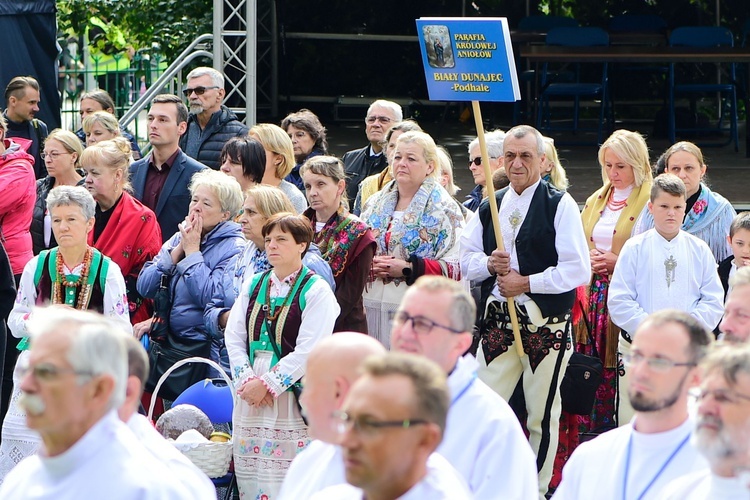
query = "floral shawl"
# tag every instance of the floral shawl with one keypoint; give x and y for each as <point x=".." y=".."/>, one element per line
<point x="341" y="240"/>
<point x="709" y="220"/>
<point x="429" y="229"/>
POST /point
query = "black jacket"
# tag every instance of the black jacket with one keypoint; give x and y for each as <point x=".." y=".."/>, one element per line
<point x="359" y="165"/>
<point x="222" y="126"/>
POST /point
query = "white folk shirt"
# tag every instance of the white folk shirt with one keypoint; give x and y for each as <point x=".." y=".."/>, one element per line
<point x="182" y="469"/>
<point x="442" y="482"/>
<point x="484" y="441"/>
<point x="106" y="462"/>
<point x="115" y="299"/>
<point x="319" y="466"/>
<point x="573" y="263"/>
<point x="596" y="469"/>
<point x="707" y="486"/>
<point x="653" y="274"/>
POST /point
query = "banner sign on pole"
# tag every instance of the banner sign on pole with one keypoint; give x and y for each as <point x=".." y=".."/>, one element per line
<point x="468" y="59"/>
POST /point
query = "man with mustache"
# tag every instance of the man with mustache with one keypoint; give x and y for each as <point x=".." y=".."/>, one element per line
<point x="722" y="429"/>
<point x="211" y="124"/>
<point x="663" y="268"/>
<point x="643" y="456"/>
<point x="72" y="385"/>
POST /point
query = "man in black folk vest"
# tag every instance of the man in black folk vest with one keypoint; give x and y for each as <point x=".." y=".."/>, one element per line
<point x="546" y="258"/>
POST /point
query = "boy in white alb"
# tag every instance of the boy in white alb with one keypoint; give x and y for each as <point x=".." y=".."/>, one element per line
<point x="663" y="268"/>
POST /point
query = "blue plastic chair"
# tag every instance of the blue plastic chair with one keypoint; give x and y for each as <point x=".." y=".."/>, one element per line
<point x="637" y="23"/>
<point x="577" y="89"/>
<point x="704" y="36"/>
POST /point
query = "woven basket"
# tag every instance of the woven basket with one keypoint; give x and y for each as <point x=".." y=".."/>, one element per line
<point x="212" y="458"/>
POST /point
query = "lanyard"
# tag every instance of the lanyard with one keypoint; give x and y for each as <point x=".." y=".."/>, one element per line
<point x="658" y="473"/>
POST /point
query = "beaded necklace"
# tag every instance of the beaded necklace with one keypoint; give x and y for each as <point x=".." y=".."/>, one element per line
<point x="61" y="281"/>
<point x="272" y="315"/>
<point x="616" y="206"/>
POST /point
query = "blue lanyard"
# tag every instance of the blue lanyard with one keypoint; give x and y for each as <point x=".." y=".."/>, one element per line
<point x="659" y="473"/>
<point x="463" y="391"/>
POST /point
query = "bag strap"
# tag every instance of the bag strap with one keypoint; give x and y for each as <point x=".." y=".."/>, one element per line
<point x="588" y="329"/>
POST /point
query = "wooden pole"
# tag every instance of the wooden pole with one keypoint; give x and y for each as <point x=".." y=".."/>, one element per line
<point x="495" y="218"/>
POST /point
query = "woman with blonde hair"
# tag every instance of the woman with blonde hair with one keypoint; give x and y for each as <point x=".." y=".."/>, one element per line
<point x="552" y="170"/>
<point x="279" y="161"/>
<point x="62" y="157"/>
<point x="100" y="126"/>
<point x="124" y="230"/>
<point x="416" y="225"/>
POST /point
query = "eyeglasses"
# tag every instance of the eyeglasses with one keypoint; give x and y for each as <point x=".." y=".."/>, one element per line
<point x="655" y="364"/>
<point x="47" y="372"/>
<point x="721" y="396"/>
<point x="197" y="90"/>
<point x="52" y="155"/>
<point x="420" y="324"/>
<point x="368" y="427"/>
<point x="478" y="160"/>
<point x="381" y="119"/>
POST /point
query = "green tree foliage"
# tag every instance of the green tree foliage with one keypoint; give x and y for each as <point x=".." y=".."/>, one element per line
<point x="170" y="25"/>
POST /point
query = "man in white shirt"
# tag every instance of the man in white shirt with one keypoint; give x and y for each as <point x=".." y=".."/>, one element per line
<point x="735" y="326"/>
<point x="663" y="268"/>
<point x="483" y="439"/>
<point x="332" y="368"/>
<point x="722" y="429"/>
<point x="71" y="388"/>
<point x="392" y="421"/>
<point x="637" y="460"/>
<point x="181" y="468"/>
<point x="546" y="259"/>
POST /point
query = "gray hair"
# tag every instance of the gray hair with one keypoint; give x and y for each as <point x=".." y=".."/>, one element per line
<point x="72" y="195"/>
<point x="216" y="77"/>
<point x="97" y="345"/>
<point x="394" y="108"/>
<point x="226" y="188"/>
<point x="521" y="131"/>
<point x="729" y="360"/>
<point x="445" y="162"/>
<point x="741" y="278"/>
<point x="463" y="309"/>
<point x="494" y="141"/>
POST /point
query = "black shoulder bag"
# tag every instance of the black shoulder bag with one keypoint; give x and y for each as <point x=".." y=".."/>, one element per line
<point x="581" y="380"/>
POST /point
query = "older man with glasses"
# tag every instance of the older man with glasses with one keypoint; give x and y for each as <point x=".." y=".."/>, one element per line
<point x="722" y="429"/>
<point x="390" y="424"/>
<point x="210" y="124"/>
<point x="435" y="320"/>
<point x="642" y="457"/>
<point x="361" y="163"/>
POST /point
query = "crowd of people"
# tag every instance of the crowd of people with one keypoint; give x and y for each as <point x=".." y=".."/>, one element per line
<point x="296" y="272"/>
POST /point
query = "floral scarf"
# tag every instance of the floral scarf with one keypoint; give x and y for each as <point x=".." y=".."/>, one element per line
<point x="429" y="229"/>
<point x="341" y="240"/>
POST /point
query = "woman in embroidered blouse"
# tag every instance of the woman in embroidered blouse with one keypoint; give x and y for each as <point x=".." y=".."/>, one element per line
<point x="344" y="240"/>
<point x="277" y="319"/>
<point x="244" y="159"/>
<point x="279" y="161"/>
<point x="261" y="202"/>
<point x="125" y="230"/>
<point x="73" y="274"/>
<point x="416" y="225"/>
<point x="708" y="215"/>
<point x="608" y="219"/>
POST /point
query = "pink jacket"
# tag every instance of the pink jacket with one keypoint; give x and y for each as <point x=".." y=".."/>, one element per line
<point x="17" y="197"/>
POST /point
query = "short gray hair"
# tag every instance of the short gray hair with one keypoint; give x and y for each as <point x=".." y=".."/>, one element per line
<point x="729" y="360"/>
<point x="216" y="77"/>
<point x="389" y="105"/>
<point x="521" y="131"/>
<point x="741" y="278"/>
<point x="226" y="188"/>
<point x="97" y="344"/>
<point x="463" y="309"/>
<point x="72" y="195"/>
<point x="494" y="141"/>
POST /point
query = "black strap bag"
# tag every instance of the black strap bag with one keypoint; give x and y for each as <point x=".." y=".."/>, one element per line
<point x="581" y="380"/>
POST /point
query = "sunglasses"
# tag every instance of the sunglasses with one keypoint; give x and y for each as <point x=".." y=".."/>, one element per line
<point x="197" y="90"/>
<point x="478" y="160"/>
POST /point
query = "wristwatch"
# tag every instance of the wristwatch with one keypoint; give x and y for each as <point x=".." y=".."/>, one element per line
<point x="406" y="272"/>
